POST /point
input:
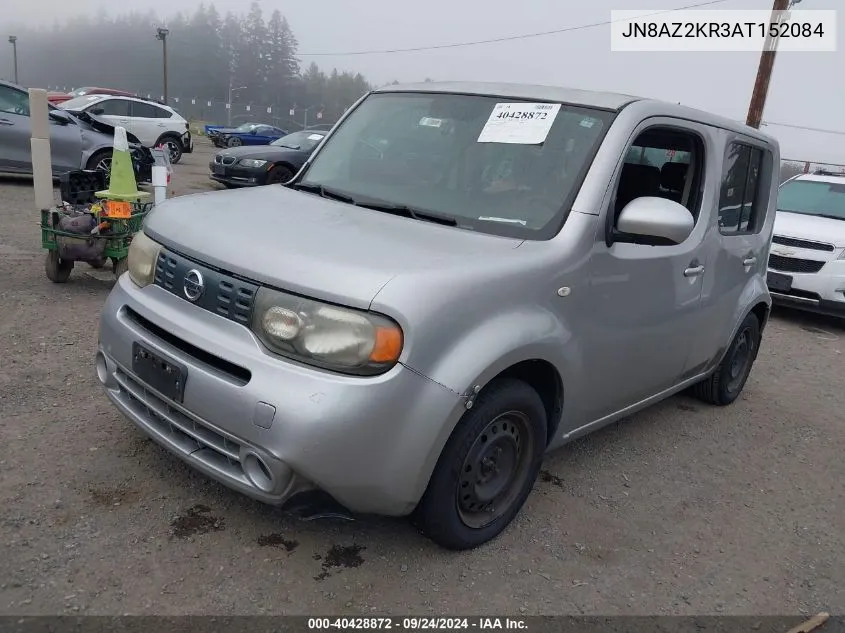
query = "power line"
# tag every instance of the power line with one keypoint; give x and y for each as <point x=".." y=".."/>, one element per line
<point x="804" y="127"/>
<point x="509" y="38"/>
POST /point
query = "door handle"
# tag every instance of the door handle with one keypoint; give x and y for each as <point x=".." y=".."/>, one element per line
<point x="5" y="122"/>
<point x="748" y="261"/>
<point x="693" y="271"/>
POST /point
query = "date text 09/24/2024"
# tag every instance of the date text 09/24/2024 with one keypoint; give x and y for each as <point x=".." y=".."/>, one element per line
<point x="416" y="624"/>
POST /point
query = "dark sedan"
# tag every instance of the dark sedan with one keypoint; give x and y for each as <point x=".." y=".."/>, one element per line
<point x="265" y="165"/>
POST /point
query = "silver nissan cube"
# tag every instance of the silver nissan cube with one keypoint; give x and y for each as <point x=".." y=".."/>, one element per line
<point x="461" y="278"/>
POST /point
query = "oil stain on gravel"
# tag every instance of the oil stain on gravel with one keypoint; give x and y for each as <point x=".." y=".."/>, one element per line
<point x="196" y="520"/>
<point x="339" y="557"/>
<point x="549" y="478"/>
<point x="277" y="540"/>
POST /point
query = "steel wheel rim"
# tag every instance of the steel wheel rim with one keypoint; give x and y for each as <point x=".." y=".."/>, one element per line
<point x="495" y="469"/>
<point x="740" y="361"/>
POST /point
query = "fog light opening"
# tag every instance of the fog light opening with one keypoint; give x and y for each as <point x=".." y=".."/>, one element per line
<point x="102" y="369"/>
<point x="258" y="472"/>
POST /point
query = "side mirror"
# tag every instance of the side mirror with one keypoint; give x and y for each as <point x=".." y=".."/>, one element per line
<point x="659" y="219"/>
<point x="59" y="117"/>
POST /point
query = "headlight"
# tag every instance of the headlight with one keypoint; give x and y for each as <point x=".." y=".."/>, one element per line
<point x="327" y="336"/>
<point x="143" y="253"/>
<point x="252" y="162"/>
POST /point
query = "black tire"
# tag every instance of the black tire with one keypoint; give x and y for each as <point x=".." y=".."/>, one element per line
<point x="452" y="511"/>
<point x="279" y="174"/>
<point x="57" y="269"/>
<point x="98" y="263"/>
<point x="174" y="147"/>
<point x="119" y="266"/>
<point x="234" y="142"/>
<point x="725" y="384"/>
<point x="101" y="161"/>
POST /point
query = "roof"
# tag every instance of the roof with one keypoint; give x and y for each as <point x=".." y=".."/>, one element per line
<point x="829" y="177"/>
<point x="596" y="99"/>
<point x="589" y="98"/>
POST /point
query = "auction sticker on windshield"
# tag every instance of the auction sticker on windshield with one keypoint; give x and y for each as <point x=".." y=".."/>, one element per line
<point x="520" y="123"/>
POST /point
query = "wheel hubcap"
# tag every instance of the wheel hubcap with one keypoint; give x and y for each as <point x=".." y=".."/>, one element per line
<point x="494" y="469"/>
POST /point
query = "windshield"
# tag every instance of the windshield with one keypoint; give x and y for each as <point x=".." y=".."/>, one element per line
<point x="79" y="103"/>
<point x="494" y="165"/>
<point x="813" y="197"/>
<point x="79" y="92"/>
<point x="300" y="140"/>
<point x="246" y="127"/>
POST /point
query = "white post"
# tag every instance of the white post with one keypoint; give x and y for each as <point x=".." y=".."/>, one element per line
<point x="42" y="163"/>
<point x="159" y="183"/>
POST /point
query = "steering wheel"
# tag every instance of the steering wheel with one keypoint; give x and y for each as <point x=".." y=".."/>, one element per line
<point x="19" y="109"/>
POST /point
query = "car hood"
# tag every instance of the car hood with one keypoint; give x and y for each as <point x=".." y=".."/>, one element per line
<point x="225" y="130"/>
<point x="810" y="227"/>
<point x="310" y="245"/>
<point x="91" y="122"/>
<point x="263" y="152"/>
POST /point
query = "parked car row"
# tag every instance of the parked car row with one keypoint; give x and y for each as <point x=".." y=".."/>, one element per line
<point x="77" y="141"/>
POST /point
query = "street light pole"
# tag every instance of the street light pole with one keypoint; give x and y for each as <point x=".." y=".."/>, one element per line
<point x="13" y="40"/>
<point x="229" y="111"/>
<point x="764" y="69"/>
<point x="161" y="34"/>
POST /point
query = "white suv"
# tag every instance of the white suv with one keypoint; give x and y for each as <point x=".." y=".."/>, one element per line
<point x="153" y="123"/>
<point x="807" y="257"/>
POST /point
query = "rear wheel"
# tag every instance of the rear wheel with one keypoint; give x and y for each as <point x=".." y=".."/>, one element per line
<point x="173" y="146"/>
<point x="487" y="468"/>
<point x="279" y="174"/>
<point x="57" y="269"/>
<point x="726" y="383"/>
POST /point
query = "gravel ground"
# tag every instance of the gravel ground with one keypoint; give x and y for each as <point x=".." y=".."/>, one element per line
<point x="682" y="509"/>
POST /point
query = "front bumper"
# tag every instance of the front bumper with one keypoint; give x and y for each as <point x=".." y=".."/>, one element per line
<point x="238" y="176"/>
<point x="275" y="428"/>
<point x="822" y="292"/>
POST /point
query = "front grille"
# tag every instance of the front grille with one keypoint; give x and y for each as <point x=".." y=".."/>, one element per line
<point x="794" y="264"/>
<point x="187" y="434"/>
<point x="796" y="243"/>
<point x="224" y="160"/>
<point x="224" y="294"/>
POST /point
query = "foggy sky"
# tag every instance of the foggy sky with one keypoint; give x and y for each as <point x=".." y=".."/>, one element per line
<point x="807" y="88"/>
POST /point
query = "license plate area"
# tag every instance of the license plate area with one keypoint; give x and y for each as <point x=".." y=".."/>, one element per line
<point x="779" y="282"/>
<point x="165" y="376"/>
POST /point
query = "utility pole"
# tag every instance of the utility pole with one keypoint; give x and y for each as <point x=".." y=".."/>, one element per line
<point x="161" y="34"/>
<point x="13" y="40"/>
<point x="764" y="69"/>
<point x="229" y="110"/>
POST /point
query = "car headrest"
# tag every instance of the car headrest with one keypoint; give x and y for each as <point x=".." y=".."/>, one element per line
<point x="672" y="176"/>
<point x="645" y="178"/>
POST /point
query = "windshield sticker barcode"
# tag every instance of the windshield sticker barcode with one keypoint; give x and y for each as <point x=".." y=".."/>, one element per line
<point x="430" y="122"/>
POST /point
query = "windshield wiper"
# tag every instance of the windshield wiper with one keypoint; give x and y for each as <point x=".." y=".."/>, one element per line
<point x="830" y="216"/>
<point x="408" y="212"/>
<point x="324" y="192"/>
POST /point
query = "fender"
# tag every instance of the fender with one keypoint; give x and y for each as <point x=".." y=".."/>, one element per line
<point x="754" y="294"/>
<point x="476" y="357"/>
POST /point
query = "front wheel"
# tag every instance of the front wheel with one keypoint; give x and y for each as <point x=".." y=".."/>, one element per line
<point x="279" y="174"/>
<point x="234" y="142"/>
<point x="487" y="468"/>
<point x="725" y="384"/>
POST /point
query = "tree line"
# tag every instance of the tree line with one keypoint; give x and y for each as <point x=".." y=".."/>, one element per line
<point x="208" y="54"/>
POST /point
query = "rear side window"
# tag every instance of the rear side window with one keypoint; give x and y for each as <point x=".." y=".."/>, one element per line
<point x="149" y="111"/>
<point x="741" y="201"/>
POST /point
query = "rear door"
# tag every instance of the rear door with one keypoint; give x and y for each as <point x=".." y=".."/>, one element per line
<point x="149" y="122"/>
<point x="740" y="247"/>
